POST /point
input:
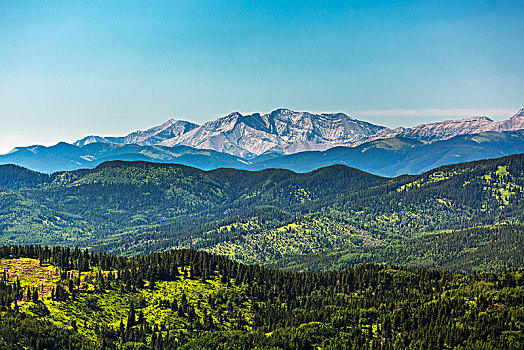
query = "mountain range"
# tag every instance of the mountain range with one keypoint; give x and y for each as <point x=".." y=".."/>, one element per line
<point x="400" y="155"/>
<point x="449" y="128"/>
<point x="281" y="132"/>
<point x="285" y="132"/>
<point x="297" y="141"/>
<point x="156" y="135"/>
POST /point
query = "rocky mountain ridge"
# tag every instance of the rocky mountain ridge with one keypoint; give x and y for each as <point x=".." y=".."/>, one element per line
<point x="385" y="157"/>
<point x="447" y="129"/>
<point x="281" y="131"/>
<point x="284" y="132"/>
<point x="154" y="136"/>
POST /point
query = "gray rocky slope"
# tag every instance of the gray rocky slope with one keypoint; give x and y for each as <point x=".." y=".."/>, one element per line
<point x="283" y="132"/>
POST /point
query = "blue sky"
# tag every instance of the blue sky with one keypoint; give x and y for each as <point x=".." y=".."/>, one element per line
<point x="68" y="69"/>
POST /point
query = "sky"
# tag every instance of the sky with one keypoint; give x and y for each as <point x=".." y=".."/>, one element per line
<point x="74" y="68"/>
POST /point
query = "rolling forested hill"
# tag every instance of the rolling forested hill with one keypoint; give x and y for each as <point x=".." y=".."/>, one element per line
<point x="119" y="196"/>
<point x="256" y="217"/>
<point x="448" y="198"/>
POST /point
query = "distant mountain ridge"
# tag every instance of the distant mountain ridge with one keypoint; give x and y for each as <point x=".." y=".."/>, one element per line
<point x="281" y="131"/>
<point x="154" y="136"/>
<point x="284" y="132"/>
<point x="450" y="128"/>
<point x="66" y="157"/>
<point x="401" y="155"/>
<point x="386" y="157"/>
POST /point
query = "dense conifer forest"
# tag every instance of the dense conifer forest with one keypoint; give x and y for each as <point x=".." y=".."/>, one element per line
<point x="101" y="301"/>
<point x="479" y="249"/>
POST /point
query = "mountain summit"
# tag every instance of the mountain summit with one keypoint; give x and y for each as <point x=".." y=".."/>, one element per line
<point x="281" y="132"/>
<point x="447" y="129"/>
<point x="514" y="123"/>
<point x="170" y="129"/>
<point x="284" y="132"/>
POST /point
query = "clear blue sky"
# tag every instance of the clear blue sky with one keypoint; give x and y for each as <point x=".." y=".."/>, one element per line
<point x="107" y="67"/>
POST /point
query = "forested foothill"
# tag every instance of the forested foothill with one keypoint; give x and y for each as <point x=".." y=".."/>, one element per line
<point x="138" y="255"/>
